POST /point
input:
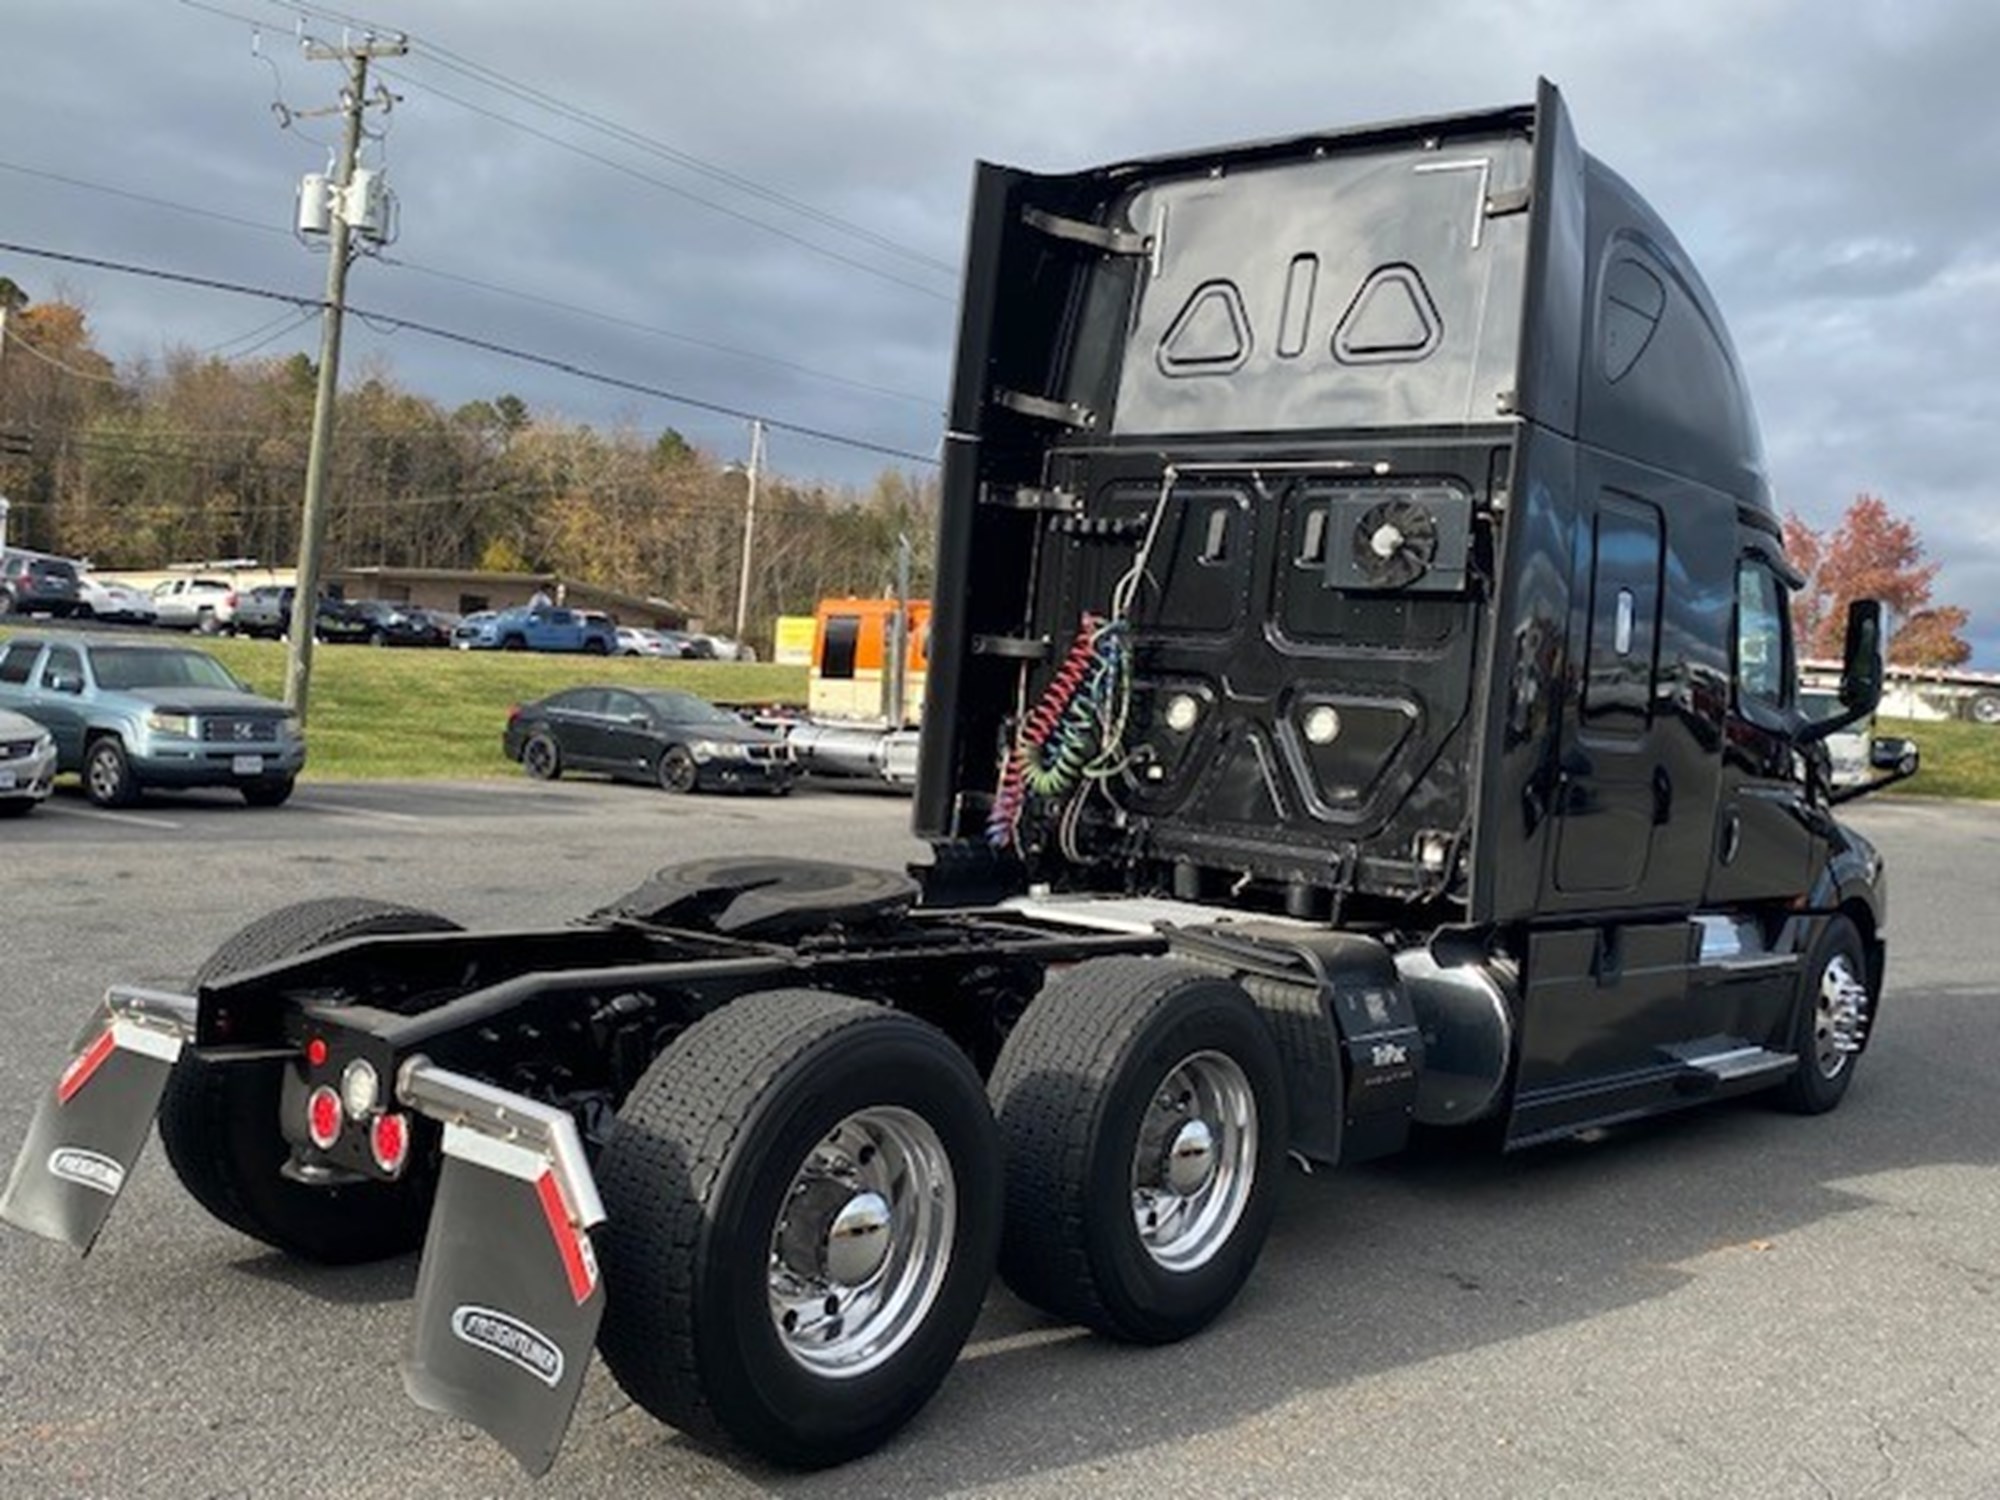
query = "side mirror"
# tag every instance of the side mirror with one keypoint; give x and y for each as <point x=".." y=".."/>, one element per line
<point x="65" y="682"/>
<point x="1861" y="666"/>
<point x="1891" y="754"/>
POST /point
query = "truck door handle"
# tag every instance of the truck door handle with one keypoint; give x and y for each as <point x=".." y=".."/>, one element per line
<point x="1663" y="796"/>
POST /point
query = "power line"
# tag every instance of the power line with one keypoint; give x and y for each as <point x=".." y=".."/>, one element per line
<point x="493" y="78"/>
<point x="671" y="187"/>
<point x="146" y="198"/>
<point x="10" y="337"/>
<point x="567" y="367"/>
<point x="929" y="403"/>
<point x="615" y="165"/>
<point x="830" y="377"/>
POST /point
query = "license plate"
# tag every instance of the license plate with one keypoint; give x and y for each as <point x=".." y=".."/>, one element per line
<point x="247" y="765"/>
<point x="6" y="781"/>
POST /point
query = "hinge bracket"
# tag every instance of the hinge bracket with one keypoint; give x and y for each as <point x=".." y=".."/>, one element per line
<point x="1069" y="413"/>
<point x="1026" y="497"/>
<point x="1083" y="232"/>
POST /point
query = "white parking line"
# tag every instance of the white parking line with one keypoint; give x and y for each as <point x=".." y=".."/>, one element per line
<point x="134" y="820"/>
<point x="370" y="814"/>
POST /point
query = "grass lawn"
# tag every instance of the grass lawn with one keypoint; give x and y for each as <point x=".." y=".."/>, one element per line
<point x="406" y="713"/>
<point x="1959" y="759"/>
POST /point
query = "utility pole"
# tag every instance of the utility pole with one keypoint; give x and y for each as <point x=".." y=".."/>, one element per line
<point x="897" y="678"/>
<point x="749" y="526"/>
<point x="312" y="525"/>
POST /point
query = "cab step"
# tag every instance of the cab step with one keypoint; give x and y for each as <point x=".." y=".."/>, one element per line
<point x="1734" y="1068"/>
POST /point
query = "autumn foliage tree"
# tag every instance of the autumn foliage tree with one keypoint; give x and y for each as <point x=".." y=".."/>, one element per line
<point x="1872" y="554"/>
<point x="190" y="456"/>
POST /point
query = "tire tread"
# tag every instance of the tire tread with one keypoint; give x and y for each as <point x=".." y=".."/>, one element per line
<point x="1078" y="1042"/>
<point x="683" y="1119"/>
<point x="199" y="1118"/>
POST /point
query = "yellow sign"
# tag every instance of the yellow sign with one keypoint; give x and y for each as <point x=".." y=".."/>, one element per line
<point x="792" y="642"/>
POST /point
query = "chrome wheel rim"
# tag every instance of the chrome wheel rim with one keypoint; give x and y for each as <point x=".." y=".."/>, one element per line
<point x="862" y="1241"/>
<point x="1840" y="1016"/>
<point x="1195" y="1162"/>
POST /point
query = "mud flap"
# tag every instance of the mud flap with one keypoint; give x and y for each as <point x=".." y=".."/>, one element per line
<point x="508" y="1295"/>
<point x="89" y="1129"/>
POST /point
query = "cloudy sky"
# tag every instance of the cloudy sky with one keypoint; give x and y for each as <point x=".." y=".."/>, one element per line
<point x="759" y="203"/>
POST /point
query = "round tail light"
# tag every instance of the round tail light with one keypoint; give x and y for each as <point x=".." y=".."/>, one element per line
<point x="323" y="1117"/>
<point x="389" y="1140"/>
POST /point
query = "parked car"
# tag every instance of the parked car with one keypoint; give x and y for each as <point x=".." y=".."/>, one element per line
<point x="206" y="605"/>
<point x="471" y="627"/>
<point x="267" y="611"/>
<point x="27" y="763"/>
<point x="128" y="716"/>
<point x="536" y="628"/>
<point x="675" y="740"/>
<point x="638" y="640"/>
<point x="386" y="624"/>
<point x="32" y="584"/>
<point x="110" y="599"/>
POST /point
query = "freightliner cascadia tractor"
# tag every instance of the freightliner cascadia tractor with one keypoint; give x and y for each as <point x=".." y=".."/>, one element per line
<point x="1361" y="702"/>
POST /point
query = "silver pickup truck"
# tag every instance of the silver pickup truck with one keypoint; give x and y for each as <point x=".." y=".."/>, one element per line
<point x="206" y="605"/>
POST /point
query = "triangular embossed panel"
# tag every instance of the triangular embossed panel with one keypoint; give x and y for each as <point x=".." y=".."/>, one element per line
<point x="1211" y="334"/>
<point x="1392" y="317"/>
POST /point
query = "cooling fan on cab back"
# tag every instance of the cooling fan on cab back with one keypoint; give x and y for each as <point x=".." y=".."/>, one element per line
<point x="1395" y="543"/>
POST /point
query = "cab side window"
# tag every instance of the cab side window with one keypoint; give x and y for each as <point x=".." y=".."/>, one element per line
<point x="15" y="660"/>
<point x="1763" y="654"/>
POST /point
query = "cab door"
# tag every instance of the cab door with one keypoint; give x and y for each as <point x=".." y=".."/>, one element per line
<point x="1765" y="832"/>
<point x="1612" y="793"/>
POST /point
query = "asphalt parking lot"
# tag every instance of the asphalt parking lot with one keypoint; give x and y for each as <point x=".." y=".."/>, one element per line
<point x="1735" y="1302"/>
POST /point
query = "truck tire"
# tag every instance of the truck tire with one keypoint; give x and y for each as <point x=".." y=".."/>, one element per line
<point x="107" y="773"/>
<point x="1984" y="709"/>
<point x="1834" y="980"/>
<point x="219" y="1121"/>
<point x="514" y="643"/>
<point x="804" y="1200"/>
<point x="1141" y="1105"/>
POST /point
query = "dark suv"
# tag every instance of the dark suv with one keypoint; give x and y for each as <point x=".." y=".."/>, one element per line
<point x="37" y="585"/>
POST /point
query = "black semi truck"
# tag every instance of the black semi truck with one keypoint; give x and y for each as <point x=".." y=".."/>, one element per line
<point x="1362" y="702"/>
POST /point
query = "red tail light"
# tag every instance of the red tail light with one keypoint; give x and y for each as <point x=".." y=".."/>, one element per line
<point x="389" y="1140"/>
<point x="316" y="1052"/>
<point x="324" y="1117"/>
<point x="229" y="600"/>
<point x="513" y="712"/>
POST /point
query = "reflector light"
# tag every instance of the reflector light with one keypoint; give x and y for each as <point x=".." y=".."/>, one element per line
<point x="316" y="1052"/>
<point x="323" y="1117"/>
<point x="389" y="1139"/>
<point x="359" y="1088"/>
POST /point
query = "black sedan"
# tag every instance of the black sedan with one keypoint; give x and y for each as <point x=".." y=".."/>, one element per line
<point x="675" y="740"/>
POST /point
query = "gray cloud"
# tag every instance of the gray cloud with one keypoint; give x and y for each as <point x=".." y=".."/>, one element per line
<point x="1828" y="169"/>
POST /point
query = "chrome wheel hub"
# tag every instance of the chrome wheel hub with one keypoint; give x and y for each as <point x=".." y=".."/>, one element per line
<point x="1195" y="1162"/>
<point x="1840" y="1016"/>
<point x="862" y="1242"/>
